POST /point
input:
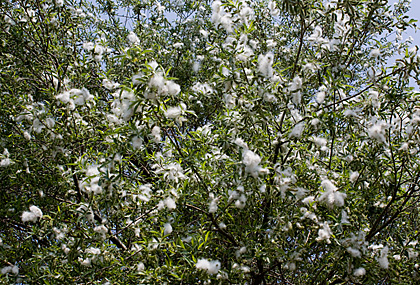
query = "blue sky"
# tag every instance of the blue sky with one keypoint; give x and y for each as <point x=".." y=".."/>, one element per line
<point x="415" y="13"/>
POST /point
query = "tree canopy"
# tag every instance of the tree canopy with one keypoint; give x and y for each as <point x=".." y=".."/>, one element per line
<point x="225" y="142"/>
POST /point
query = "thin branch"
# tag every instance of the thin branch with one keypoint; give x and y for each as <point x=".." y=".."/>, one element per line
<point x="214" y="222"/>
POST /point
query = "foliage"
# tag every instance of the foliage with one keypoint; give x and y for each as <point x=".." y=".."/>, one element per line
<point x="221" y="142"/>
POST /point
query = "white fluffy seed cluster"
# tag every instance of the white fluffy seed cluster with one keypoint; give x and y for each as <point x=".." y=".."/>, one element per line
<point x="33" y="215"/>
<point x="331" y="197"/>
<point x="210" y="266"/>
<point x="10" y="270"/>
<point x="75" y="97"/>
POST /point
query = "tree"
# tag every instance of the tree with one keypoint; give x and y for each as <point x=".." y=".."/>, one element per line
<point x="189" y="142"/>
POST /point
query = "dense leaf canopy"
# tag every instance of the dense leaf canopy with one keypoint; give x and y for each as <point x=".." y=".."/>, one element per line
<point x="226" y="142"/>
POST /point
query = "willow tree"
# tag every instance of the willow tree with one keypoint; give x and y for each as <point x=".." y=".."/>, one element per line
<point x="208" y="142"/>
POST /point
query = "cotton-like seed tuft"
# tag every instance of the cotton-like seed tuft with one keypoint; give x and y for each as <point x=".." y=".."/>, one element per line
<point x="167" y="229"/>
<point x="297" y="131"/>
<point x="170" y="203"/>
<point x="32" y="216"/>
<point x="265" y="63"/>
<point x="211" y="266"/>
<point x="10" y="269"/>
<point x="359" y="272"/>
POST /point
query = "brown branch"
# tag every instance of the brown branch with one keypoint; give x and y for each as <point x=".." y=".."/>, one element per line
<point x="360" y="92"/>
<point x="302" y="33"/>
<point x="214" y="222"/>
<point x="400" y="209"/>
<point x="98" y="218"/>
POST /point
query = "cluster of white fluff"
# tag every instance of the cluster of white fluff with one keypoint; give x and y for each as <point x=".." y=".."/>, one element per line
<point x="197" y="63"/>
<point x="159" y="85"/>
<point x="5" y="160"/>
<point x="140" y="267"/>
<point x="137" y="142"/>
<point x="252" y="161"/>
<point x="102" y="230"/>
<point x="203" y="88"/>
<point x="412" y="254"/>
<point x="375" y="53"/>
<point x="91" y="183"/>
<point x="178" y="45"/>
<point x="213" y="203"/>
<point x="60" y="233"/>
<point x="246" y="13"/>
<point x="331" y="197"/>
<point x="110" y="85"/>
<point x="36" y="113"/>
<point x="172" y="171"/>
<point x="269" y="97"/>
<point x="33" y="215"/>
<point x="75" y="97"/>
<point x="354" y="252"/>
<point x="39" y="125"/>
<point x="284" y="179"/>
<point x="176" y="113"/>
<point x="156" y="134"/>
<point x="296" y="84"/>
<point x="297" y="130"/>
<point x="383" y="258"/>
<point x="265" y="64"/>
<point x="316" y="35"/>
<point x="210" y="266"/>
<point x="219" y="16"/>
<point x="355" y="245"/>
<point x="93" y="254"/>
<point x="309" y="200"/>
<point x="241" y="201"/>
<point x="341" y="28"/>
<point x="133" y="39"/>
<point x="299" y="191"/>
<point x="320" y="95"/>
<point x="244" y="51"/>
<point x="295" y="87"/>
<point x="97" y="49"/>
<point x="344" y="217"/>
<point x="76" y="12"/>
<point x="168" y="203"/>
<point x="238" y="196"/>
<point x="374" y="98"/>
<point x="206" y="131"/>
<point x="173" y="112"/>
<point x="163" y="86"/>
<point x="159" y="7"/>
<point x="359" y="272"/>
<point x="230" y="100"/>
<point x="354" y="175"/>
<point x="93" y="250"/>
<point x="167" y="229"/>
<point x="274" y="11"/>
<point x="239" y="252"/>
<point x="308" y="215"/>
<point x="377" y="131"/>
<point x="144" y="193"/>
<point x="320" y="142"/>
<point x="122" y="106"/>
<point x="12" y="269"/>
<point x="86" y="211"/>
<point x="138" y="79"/>
<point x="324" y="233"/>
